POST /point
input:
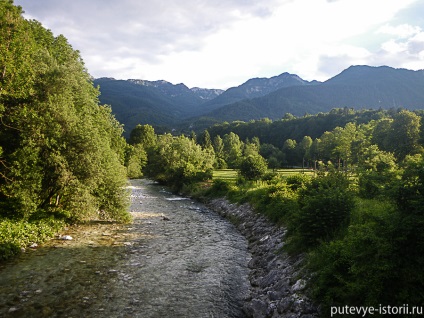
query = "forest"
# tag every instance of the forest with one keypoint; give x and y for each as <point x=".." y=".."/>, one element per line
<point x="63" y="159"/>
<point x="61" y="153"/>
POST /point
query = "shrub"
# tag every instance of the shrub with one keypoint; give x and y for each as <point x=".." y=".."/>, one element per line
<point x="325" y="206"/>
<point x="253" y="167"/>
<point x="15" y="235"/>
<point x="358" y="269"/>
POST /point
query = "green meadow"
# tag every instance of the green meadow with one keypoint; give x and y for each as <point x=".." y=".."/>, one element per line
<point x="231" y="175"/>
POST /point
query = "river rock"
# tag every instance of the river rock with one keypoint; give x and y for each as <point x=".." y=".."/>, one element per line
<point x="273" y="290"/>
<point x="66" y="237"/>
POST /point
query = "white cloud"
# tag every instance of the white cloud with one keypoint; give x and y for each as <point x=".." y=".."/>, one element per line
<point x="401" y="31"/>
<point x="221" y="43"/>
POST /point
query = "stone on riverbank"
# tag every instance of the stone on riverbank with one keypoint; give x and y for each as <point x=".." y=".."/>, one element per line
<point x="276" y="289"/>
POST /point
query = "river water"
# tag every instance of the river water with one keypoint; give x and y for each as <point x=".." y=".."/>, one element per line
<point x="178" y="259"/>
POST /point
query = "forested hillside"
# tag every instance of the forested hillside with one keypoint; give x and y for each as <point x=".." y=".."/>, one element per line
<point x="61" y="153"/>
<point x="296" y="127"/>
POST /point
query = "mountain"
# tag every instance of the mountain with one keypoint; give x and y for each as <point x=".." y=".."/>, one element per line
<point x="356" y="87"/>
<point x="180" y="93"/>
<point x="158" y="103"/>
<point x="161" y="103"/>
<point x="255" y="87"/>
<point x="206" y="93"/>
<point x="133" y="104"/>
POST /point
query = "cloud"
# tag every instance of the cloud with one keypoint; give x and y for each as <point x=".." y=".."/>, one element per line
<point x="401" y="31"/>
<point x="405" y="52"/>
<point x="108" y="31"/>
<point x="221" y="43"/>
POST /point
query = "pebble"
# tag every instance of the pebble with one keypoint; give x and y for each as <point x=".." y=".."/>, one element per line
<point x="66" y="237"/>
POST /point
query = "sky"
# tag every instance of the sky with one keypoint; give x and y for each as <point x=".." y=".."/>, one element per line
<point x="223" y="43"/>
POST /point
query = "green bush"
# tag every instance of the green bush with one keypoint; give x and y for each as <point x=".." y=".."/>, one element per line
<point x="219" y="188"/>
<point x="15" y="235"/>
<point x="358" y="269"/>
<point x="253" y="167"/>
<point x="325" y="206"/>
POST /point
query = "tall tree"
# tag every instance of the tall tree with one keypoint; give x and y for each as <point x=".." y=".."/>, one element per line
<point x="205" y="139"/>
<point x="404" y="134"/>
<point x="305" y="149"/>
<point x="144" y="135"/>
<point x="61" y="151"/>
<point x="289" y="150"/>
<point x="232" y="149"/>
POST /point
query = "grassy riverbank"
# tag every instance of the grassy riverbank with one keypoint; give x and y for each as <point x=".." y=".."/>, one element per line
<point x="18" y="235"/>
<point x="360" y="249"/>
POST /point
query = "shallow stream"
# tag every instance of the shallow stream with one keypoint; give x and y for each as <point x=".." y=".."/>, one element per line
<point x="178" y="259"/>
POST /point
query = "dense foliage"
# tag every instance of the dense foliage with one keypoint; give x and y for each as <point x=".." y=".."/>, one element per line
<point x="312" y="140"/>
<point x="61" y="153"/>
<point x="360" y="217"/>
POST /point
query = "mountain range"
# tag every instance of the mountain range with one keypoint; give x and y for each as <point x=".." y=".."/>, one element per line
<point x="167" y="106"/>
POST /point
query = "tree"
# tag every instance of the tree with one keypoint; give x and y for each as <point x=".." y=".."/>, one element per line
<point x="315" y="152"/>
<point x="273" y="155"/>
<point x="218" y="146"/>
<point x="232" y="149"/>
<point x="62" y="152"/>
<point x="136" y="160"/>
<point x="326" y="203"/>
<point x="380" y="133"/>
<point x="343" y="138"/>
<point x="179" y="161"/>
<point x="377" y="172"/>
<point x="144" y="135"/>
<point x="289" y="150"/>
<point x="251" y="147"/>
<point x="304" y="148"/>
<point x="404" y="134"/>
<point x="205" y="139"/>
<point x="253" y="167"/>
<point x="410" y="242"/>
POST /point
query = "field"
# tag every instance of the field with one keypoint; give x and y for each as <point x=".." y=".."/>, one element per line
<point x="231" y="174"/>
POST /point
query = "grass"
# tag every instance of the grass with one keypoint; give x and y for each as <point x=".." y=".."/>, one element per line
<point x="231" y="175"/>
<point x="290" y="172"/>
<point x="225" y="174"/>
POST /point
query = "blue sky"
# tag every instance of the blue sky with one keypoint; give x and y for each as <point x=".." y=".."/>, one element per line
<point x="223" y="43"/>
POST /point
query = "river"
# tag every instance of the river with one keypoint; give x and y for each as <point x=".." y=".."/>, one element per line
<point x="177" y="259"/>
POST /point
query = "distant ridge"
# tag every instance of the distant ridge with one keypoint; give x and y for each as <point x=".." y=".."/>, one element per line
<point x="256" y="87"/>
<point x="163" y="104"/>
<point x="356" y="87"/>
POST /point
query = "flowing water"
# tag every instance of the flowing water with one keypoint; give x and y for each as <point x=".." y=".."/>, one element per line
<point x="177" y="259"/>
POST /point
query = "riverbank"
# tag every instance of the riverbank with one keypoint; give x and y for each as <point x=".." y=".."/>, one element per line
<point x="277" y="287"/>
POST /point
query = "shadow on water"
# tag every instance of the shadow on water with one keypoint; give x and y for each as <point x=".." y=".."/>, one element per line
<point x="177" y="259"/>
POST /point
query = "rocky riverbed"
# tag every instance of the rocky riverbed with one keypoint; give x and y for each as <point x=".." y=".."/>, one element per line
<point x="277" y="288"/>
